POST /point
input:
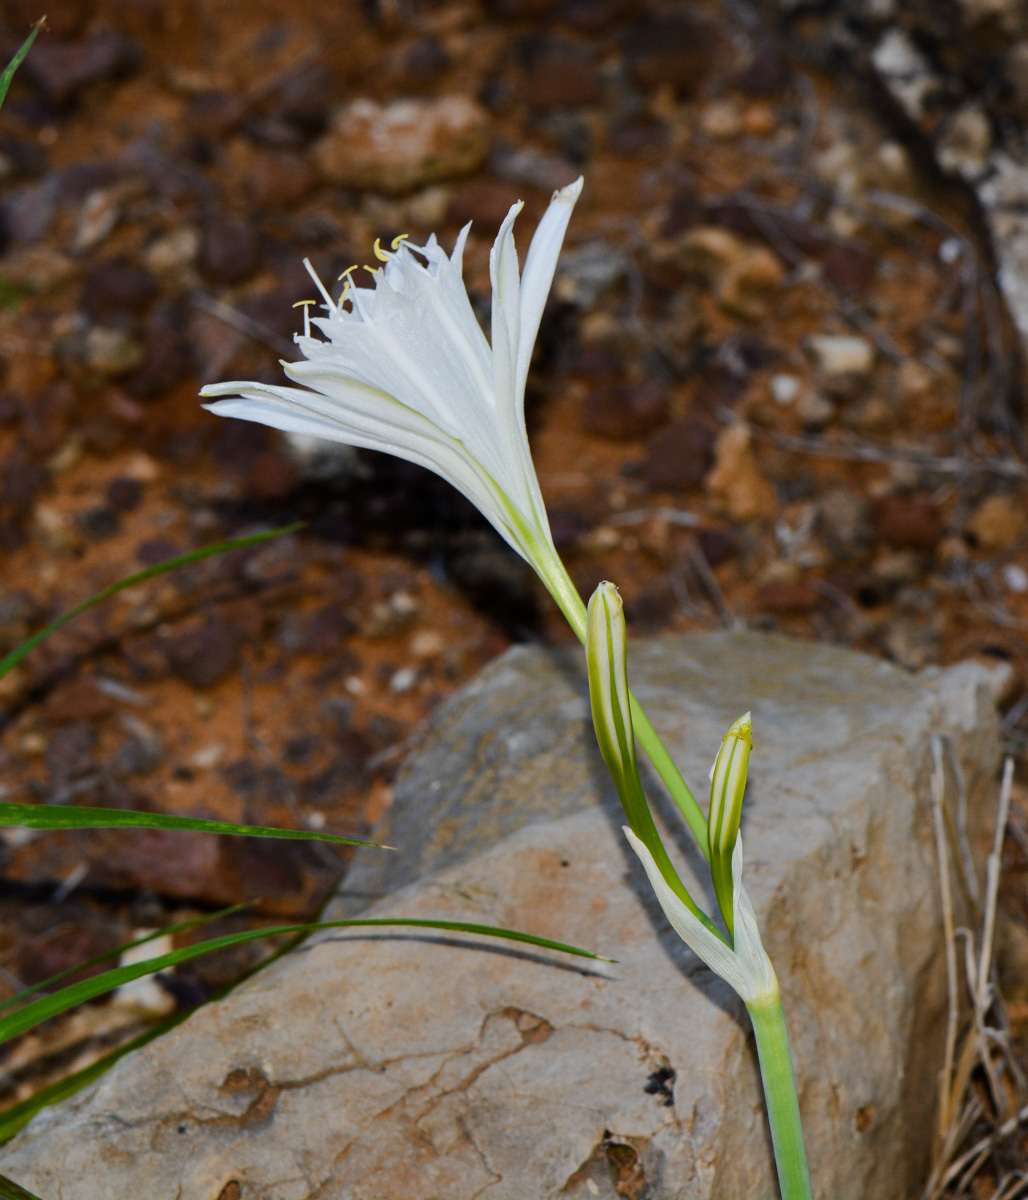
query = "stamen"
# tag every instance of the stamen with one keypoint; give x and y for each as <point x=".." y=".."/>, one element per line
<point x="380" y="254"/>
<point x="348" y="270"/>
<point x="320" y="286"/>
<point x="402" y="237"/>
<point x="306" y="306"/>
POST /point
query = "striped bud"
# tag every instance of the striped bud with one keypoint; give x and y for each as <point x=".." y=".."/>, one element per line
<point x="727" y="785"/>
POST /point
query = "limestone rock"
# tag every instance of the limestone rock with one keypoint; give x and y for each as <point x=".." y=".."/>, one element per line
<point x="404" y="145"/>
<point x="395" y="1064"/>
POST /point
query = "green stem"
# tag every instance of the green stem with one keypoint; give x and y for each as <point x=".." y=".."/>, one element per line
<point x="562" y="589"/>
<point x="783" y="1109"/>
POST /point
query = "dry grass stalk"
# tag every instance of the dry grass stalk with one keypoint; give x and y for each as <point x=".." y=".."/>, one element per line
<point x="980" y="1081"/>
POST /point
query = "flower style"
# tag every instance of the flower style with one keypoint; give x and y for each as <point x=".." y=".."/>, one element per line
<point x="407" y="370"/>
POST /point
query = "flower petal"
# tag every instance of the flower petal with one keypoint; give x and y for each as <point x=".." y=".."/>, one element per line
<point x="749" y="949"/>
<point x="504" y="275"/>
<point x="538" y="275"/>
<point x="718" y="955"/>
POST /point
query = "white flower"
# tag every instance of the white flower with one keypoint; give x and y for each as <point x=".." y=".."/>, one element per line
<point x="407" y="370"/>
<point x="745" y="965"/>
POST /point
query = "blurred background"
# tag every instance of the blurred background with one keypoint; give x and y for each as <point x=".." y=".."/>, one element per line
<point x="779" y="384"/>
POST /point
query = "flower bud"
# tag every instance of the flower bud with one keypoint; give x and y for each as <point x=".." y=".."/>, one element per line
<point x="727" y="785"/>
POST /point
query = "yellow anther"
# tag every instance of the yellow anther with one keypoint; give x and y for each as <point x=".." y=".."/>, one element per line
<point x="348" y="270"/>
<point x="372" y="270"/>
<point x="402" y="237"/>
<point x="380" y="254"/>
<point x="304" y="303"/>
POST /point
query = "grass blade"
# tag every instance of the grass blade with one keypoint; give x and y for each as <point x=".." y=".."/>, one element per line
<point x="171" y="564"/>
<point x="15" y="63"/>
<point x="9" y="1190"/>
<point x="42" y="1009"/>
<point x="74" y="816"/>
<point x="181" y="927"/>
<point x="15" y="1118"/>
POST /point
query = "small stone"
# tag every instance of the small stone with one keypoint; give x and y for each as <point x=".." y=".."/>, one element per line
<point x="404" y="680"/>
<point x="561" y="74"/>
<point x="735" y="482"/>
<point x="404" y="145"/>
<point x="280" y="180"/>
<point x="427" y="643"/>
<point x="587" y="272"/>
<point x="62" y="69"/>
<point x="815" y="410"/>
<point x="908" y="522"/>
<point x="100" y="213"/>
<point x="914" y="378"/>
<point x="206" y="655"/>
<point x="1016" y="578"/>
<point x="998" y="523"/>
<point x="843" y="520"/>
<point x="124" y="494"/>
<point x="145" y="995"/>
<point x="740" y="271"/>
<point x="528" y="167"/>
<point x="70" y="750"/>
<point x="173" y="251"/>
<point x="673" y="51"/>
<point x="842" y="354"/>
<point x="849" y="266"/>
<point x="214" y="115"/>
<point x="680" y="455"/>
<point x="110" y="352"/>
<point x="484" y="201"/>
<point x="620" y="411"/>
<point x="116" y="288"/>
<point x="784" y="389"/>
<point x="78" y="700"/>
<point x="964" y="145"/>
<point x="229" y="249"/>
<point x="425" y="59"/>
<point x="721" y="119"/>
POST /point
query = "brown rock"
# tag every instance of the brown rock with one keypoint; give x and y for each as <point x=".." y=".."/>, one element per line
<point x="404" y="145"/>
<point x="561" y="74"/>
<point x="117" y="287"/>
<point x="736" y="483"/>
<point x="849" y="266"/>
<point x="214" y="115"/>
<point x="999" y="522"/>
<point x="229" y="250"/>
<point x="908" y="522"/>
<point x="624" y="410"/>
<point x="790" y="599"/>
<point x="674" y="51"/>
<point x="61" y="69"/>
<point x="280" y="180"/>
<point x="680" y="455"/>
<point x="484" y="201"/>
<point x="207" y="655"/>
<point x="78" y="700"/>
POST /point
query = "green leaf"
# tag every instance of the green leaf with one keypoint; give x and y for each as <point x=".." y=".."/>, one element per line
<point x="171" y="930"/>
<point x="74" y="816"/>
<point x="15" y="63"/>
<point x="171" y="564"/>
<point x="32" y="1014"/>
<point x="15" y="1118"/>
<point x="9" y="1190"/>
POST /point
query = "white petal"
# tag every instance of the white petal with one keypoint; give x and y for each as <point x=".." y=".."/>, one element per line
<point x="538" y="275"/>
<point x="720" y="957"/>
<point x="749" y="948"/>
<point x="505" y="278"/>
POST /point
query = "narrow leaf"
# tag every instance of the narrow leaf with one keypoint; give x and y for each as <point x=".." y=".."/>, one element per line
<point x="9" y="1190"/>
<point x="117" y="951"/>
<point x="74" y="816"/>
<point x="171" y="564"/>
<point x="32" y="1014"/>
<point x="15" y="63"/>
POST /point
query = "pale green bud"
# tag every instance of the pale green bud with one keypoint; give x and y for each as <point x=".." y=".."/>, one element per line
<point x="606" y="656"/>
<point x="727" y="786"/>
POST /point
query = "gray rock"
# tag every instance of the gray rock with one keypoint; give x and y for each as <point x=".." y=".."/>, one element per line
<point x="394" y="1064"/>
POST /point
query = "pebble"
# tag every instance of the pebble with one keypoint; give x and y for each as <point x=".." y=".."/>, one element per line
<point x="586" y="273"/>
<point x="736" y="482"/>
<point x="145" y="995"/>
<point x="680" y="455"/>
<point x="116" y="288"/>
<point x="842" y="354"/>
<point x="849" y="266"/>
<point x="173" y="251"/>
<point x="620" y="411"/>
<point x="740" y="271"/>
<point x="425" y="59"/>
<point x="78" y="700"/>
<point x="110" y="352"/>
<point x="165" y="359"/>
<point x="69" y="751"/>
<point x="206" y="655"/>
<point x="908" y="522"/>
<point x="561" y="74"/>
<point x="528" y="167"/>
<point x="229" y="248"/>
<point x="62" y="69"/>
<point x="1016" y="578"/>
<point x="124" y="494"/>
<point x="214" y="115"/>
<point x="843" y="521"/>
<point x="999" y="522"/>
<point x="784" y="388"/>
<point x="670" y="51"/>
<point x="404" y="680"/>
<point x="790" y="599"/>
<point x="965" y="142"/>
<point x="404" y="145"/>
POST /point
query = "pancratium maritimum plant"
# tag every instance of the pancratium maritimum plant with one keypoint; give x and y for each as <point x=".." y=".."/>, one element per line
<point x="403" y="367"/>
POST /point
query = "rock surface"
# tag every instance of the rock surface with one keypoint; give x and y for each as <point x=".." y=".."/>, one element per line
<point x="369" y="1067"/>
